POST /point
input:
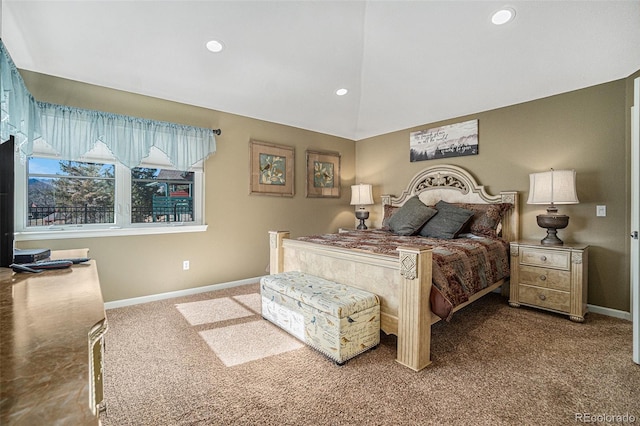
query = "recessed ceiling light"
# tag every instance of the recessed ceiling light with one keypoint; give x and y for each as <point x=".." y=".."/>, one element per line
<point x="341" y="92"/>
<point x="215" y="46"/>
<point x="503" y="16"/>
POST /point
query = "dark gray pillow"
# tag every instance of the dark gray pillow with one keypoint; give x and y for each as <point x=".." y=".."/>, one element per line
<point x="448" y="223"/>
<point x="410" y="217"/>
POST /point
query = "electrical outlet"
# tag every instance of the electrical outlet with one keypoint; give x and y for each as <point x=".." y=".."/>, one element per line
<point x="601" y="211"/>
<point x="185" y="265"/>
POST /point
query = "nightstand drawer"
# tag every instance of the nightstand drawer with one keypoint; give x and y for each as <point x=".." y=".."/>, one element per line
<point x="542" y="277"/>
<point x="544" y="298"/>
<point x="545" y="258"/>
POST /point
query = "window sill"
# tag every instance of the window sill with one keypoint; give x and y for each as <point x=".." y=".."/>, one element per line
<point x="69" y="233"/>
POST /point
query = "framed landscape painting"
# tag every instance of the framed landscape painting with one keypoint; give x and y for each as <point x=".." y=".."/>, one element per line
<point x="323" y="174"/>
<point x="272" y="169"/>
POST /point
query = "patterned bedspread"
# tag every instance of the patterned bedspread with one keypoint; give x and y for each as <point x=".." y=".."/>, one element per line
<point x="461" y="267"/>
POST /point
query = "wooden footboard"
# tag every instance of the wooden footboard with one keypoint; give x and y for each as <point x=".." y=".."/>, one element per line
<point x="403" y="285"/>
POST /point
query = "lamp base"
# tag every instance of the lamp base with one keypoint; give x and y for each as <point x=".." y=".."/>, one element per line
<point x="362" y="215"/>
<point x="552" y="222"/>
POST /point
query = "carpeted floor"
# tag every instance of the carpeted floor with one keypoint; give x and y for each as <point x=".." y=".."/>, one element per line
<point x="210" y="359"/>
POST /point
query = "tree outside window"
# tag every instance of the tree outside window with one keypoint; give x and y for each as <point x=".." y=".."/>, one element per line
<point x="69" y="192"/>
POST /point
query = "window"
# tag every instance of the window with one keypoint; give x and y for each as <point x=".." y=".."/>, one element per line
<point x="161" y="195"/>
<point x="100" y="197"/>
<point x="69" y="192"/>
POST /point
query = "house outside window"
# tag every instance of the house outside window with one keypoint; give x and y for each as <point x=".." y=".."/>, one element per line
<point x="161" y="195"/>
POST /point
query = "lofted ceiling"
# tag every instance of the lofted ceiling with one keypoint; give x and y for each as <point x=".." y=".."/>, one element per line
<point x="405" y="63"/>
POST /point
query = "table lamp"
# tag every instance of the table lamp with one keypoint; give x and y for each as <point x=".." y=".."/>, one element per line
<point x="552" y="187"/>
<point x="361" y="196"/>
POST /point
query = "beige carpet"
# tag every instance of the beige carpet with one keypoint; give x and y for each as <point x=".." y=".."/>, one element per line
<point x="237" y="344"/>
<point x="213" y="311"/>
<point x="210" y="359"/>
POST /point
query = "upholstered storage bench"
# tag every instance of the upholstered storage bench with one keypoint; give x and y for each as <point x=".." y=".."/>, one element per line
<point x="337" y="320"/>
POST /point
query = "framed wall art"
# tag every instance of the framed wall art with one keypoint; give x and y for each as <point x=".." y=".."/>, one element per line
<point x="271" y="168"/>
<point x="454" y="140"/>
<point x="323" y="174"/>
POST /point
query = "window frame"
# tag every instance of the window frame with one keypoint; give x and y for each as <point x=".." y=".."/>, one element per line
<point x="122" y="202"/>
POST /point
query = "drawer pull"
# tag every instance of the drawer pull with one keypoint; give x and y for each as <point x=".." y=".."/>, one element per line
<point x="542" y="297"/>
<point x="543" y="277"/>
<point x="543" y="258"/>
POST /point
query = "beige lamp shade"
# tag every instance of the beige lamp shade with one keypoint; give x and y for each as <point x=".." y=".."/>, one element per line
<point x="361" y="195"/>
<point x="553" y="187"/>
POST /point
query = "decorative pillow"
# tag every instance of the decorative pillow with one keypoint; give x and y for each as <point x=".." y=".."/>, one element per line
<point x="448" y="223"/>
<point x="389" y="211"/>
<point x="409" y="218"/>
<point x="486" y="217"/>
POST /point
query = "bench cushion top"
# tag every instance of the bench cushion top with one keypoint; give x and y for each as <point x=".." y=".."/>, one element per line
<point x="327" y="296"/>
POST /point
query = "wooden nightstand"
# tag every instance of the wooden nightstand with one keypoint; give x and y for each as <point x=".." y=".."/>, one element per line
<point x="550" y="277"/>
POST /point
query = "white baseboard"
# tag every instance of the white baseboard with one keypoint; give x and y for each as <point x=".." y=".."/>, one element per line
<point x="154" y="297"/>
<point x="609" y="312"/>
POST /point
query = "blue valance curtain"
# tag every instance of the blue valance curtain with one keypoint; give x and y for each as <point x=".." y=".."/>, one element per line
<point x="72" y="132"/>
<point x="19" y="115"/>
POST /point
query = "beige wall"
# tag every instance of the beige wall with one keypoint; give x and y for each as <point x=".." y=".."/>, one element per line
<point x="584" y="130"/>
<point x="235" y="246"/>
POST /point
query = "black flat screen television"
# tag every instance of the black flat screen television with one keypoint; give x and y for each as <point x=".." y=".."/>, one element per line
<point x="7" y="180"/>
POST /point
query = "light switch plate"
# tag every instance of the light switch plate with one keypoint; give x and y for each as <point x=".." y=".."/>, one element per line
<point x="601" y="211"/>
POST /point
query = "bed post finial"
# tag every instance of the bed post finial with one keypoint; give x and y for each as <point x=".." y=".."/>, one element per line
<point x="276" y="251"/>
<point x="511" y="219"/>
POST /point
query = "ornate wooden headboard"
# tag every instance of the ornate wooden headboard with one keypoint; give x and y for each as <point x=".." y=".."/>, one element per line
<point x="456" y="185"/>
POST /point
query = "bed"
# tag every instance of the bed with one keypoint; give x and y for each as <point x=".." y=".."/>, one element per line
<point x="403" y="278"/>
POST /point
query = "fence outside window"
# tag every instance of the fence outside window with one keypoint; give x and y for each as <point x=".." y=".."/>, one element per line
<point x="80" y="215"/>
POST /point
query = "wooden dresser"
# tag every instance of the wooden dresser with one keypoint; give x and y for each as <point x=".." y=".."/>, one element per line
<point x="51" y="352"/>
<point x="550" y="277"/>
